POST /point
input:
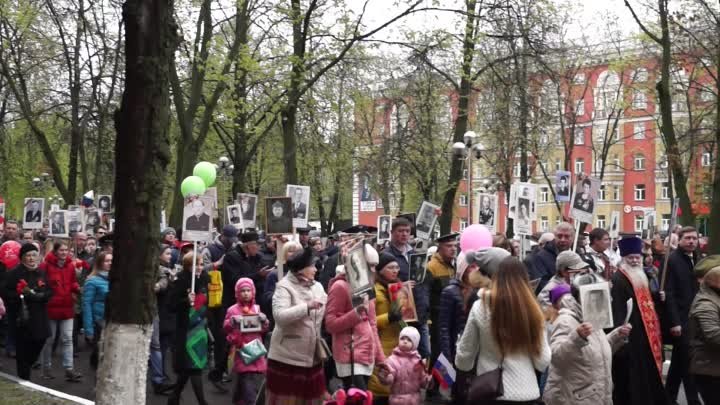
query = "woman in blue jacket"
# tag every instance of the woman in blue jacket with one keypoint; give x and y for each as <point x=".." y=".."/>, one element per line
<point x="94" y="293"/>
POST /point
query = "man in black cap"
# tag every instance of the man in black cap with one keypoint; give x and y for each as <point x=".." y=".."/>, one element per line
<point x="304" y="236"/>
<point x="442" y="267"/>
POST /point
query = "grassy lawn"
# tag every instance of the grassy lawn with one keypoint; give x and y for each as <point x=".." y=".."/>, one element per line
<point x="14" y="394"/>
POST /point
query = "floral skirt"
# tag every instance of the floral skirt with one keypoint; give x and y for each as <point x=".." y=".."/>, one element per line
<point x="293" y="385"/>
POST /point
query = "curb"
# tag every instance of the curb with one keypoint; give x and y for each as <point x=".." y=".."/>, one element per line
<point x="46" y="390"/>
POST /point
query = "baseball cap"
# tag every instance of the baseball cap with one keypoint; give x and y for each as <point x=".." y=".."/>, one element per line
<point x="570" y="260"/>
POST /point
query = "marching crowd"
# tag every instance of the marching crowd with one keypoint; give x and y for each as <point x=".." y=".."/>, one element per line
<point x="286" y="328"/>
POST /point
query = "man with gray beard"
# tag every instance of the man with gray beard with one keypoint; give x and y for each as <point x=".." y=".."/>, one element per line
<point x="637" y="366"/>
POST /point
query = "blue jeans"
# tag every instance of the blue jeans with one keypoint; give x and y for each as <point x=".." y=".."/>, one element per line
<point x="424" y="345"/>
<point x="157" y="369"/>
<point x="65" y="329"/>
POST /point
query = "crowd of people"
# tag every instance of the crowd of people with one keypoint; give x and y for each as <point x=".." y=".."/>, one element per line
<point x="281" y="319"/>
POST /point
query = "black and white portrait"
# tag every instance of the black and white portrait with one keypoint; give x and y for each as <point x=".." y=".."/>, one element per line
<point x="74" y="222"/>
<point x="583" y="200"/>
<point x="357" y="271"/>
<point x="250" y="323"/>
<point x="487" y="209"/>
<point x="523" y="223"/>
<point x="197" y="221"/>
<point x="365" y="189"/>
<point x="596" y="307"/>
<point x="278" y="216"/>
<point x="233" y="216"/>
<point x="58" y="224"/>
<point x="426" y="220"/>
<point x="383" y="226"/>
<point x="562" y="186"/>
<point x="33" y="214"/>
<point x="418" y="267"/>
<point x="105" y="203"/>
<point x="92" y="219"/>
<point x="300" y="196"/>
<point x="614" y="225"/>
<point x="248" y="208"/>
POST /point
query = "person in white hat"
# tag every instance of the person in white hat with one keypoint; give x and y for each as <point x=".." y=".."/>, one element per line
<point x="404" y="371"/>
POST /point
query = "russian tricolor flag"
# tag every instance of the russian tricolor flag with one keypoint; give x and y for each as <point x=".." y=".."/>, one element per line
<point x="444" y="372"/>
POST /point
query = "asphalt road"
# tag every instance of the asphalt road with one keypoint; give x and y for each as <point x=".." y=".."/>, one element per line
<point x="85" y="388"/>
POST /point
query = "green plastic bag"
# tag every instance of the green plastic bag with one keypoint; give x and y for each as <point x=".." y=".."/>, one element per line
<point x="252" y="351"/>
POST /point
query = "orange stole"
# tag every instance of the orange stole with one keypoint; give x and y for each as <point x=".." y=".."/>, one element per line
<point x="650" y="319"/>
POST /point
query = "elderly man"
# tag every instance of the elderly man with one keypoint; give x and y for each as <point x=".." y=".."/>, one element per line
<point x="637" y="366"/>
<point x="704" y="330"/>
<point x="567" y="265"/>
<point x="542" y="265"/>
<point x="441" y="266"/>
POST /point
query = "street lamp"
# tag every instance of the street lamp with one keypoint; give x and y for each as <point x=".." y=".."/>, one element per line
<point x="467" y="151"/>
<point x="43" y="181"/>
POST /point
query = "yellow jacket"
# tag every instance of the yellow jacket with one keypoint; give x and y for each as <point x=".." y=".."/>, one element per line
<point x="389" y="334"/>
<point x="439" y="268"/>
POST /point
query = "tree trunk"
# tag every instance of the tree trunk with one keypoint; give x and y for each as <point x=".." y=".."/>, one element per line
<point x="142" y="151"/>
<point x="714" y="220"/>
<point x="461" y="123"/>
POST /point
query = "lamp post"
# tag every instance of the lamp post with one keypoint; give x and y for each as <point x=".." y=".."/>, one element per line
<point x="43" y="182"/>
<point x="224" y="172"/>
<point x="467" y="151"/>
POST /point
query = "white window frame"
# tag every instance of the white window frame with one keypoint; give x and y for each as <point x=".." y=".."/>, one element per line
<point x="463" y="201"/>
<point x="639" y="100"/>
<point x="580" y="107"/>
<point x="640" y="75"/>
<point x="516" y="169"/>
<point x="579" y="165"/>
<point x="639" y="162"/>
<point x="544" y="192"/>
<point x="463" y="224"/>
<point x="544" y="224"/>
<point x="639" y="130"/>
<point x="602" y="192"/>
<point x="601" y="222"/>
<point x="616" y="193"/>
<point x="665" y="190"/>
<point x="616" y="163"/>
<point x="639" y="223"/>
<point x="706" y="95"/>
<point x="665" y="222"/>
<point x="706" y="159"/>
<point x="598" y="165"/>
<point x="579" y="136"/>
<point x="639" y="192"/>
<point x="558" y="165"/>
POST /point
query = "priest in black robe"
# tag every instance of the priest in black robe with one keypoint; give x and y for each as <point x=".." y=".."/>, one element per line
<point x="637" y="366"/>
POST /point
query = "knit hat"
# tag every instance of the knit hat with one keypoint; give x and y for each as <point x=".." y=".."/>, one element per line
<point x="412" y="334"/>
<point x="557" y="292"/>
<point x="488" y="260"/>
<point x="242" y="283"/>
<point x="300" y="260"/>
<point x="168" y="230"/>
<point x="371" y="255"/>
<point x="28" y="247"/>
<point x="385" y="259"/>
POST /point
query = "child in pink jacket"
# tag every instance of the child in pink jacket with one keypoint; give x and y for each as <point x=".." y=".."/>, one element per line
<point x="404" y="370"/>
<point x="250" y="376"/>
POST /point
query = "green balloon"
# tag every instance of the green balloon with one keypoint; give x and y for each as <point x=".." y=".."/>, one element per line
<point x="192" y="185"/>
<point x="206" y="171"/>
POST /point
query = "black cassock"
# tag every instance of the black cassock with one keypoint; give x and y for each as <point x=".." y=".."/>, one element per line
<point x="635" y="375"/>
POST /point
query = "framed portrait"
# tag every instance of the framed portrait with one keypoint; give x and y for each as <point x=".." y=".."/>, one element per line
<point x="211" y="194"/>
<point x="562" y="186"/>
<point x="248" y="209"/>
<point x="232" y="216"/>
<point x="527" y="192"/>
<point x="357" y="271"/>
<point x="33" y="213"/>
<point x="300" y="196"/>
<point x="384" y="223"/>
<point x="92" y="218"/>
<point x="426" y="220"/>
<point x="401" y="293"/>
<point x="614" y="230"/>
<point x="74" y="221"/>
<point x="250" y="323"/>
<point x="512" y="202"/>
<point x="584" y="200"/>
<point x="596" y="307"/>
<point x="410" y="216"/>
<point x="105" y="203"/>
<point x="58" y="226"/>
<point x="278" y="216"/>
<point x="648" y="224"/>
<point x="197" y="218"/>
<point x="418" y="267"/>
<point x="486" y="207"/>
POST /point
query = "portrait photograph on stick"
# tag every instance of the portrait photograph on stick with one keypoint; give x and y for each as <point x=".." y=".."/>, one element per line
<point x="92" y="219"/>
<point x="383" y="226"/>
<point x="248" y="209"/>
<point x="300" y="196"/>
<point x="402" y="296"/>
<point x="232" y="215"/>
<point x="74" y="221"/>
<point x="418" y="267"/>
<point x="357" y="271"/>
<point x="427" y="216"/>
<point x="596" y="307"/>
<point x="58" y="224"/>
<point x="105" y="203"/>
<point x="33" y="213"/>
<point x="562" y="186"/>
<point x="486" y="208"/>
<point x="197" y="218"/>
<point x="278" y="216"/>
<point x="583" y="200"/>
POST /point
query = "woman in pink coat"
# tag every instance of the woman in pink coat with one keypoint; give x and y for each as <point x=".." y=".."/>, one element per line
<point x="249" y="376"/>
<point x="344" y="323"/>
<point x="404" y="370"/>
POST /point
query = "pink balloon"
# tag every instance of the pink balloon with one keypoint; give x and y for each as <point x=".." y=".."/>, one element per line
<point x="475" y="237"/>
<point x="10" y="254"/>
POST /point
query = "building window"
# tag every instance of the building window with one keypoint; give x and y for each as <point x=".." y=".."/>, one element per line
<point x="639" y="223"/>
<point x="579" y="136"/>
<point x="543" y="194"/>
<point x="616" y="133"/>
<point x="639" y="130"/>
<point x="639" y="101"/>
<point x="579" y="165"/>
<point x="706" y="191"/>
<point x="557" y="221"/>
<point x="544" y="223"/>
<point x="641" y="75"/>
<point x="516" y="170"/>
<point x="580" y="107"/>
<point x="616" y="193"/>
<point x="557" y="165"/>
<point x="665" y="190"/>
<point x="639" y="192"/>
<point x="598" y="165"/>
<point x="465" y="173"/>
<point x="706" y="159"/>
<point x="600" y="221"/>
<point x="463" y="200"/>
<point x="601" y="193"/>
<point x="463" y="224"/>
<point x="707" y="95"/>
<point x="665" y="222"/>
<point x="639" y="162"/>
<point x="616" y="163"/>
<point x="579" y="78"/>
